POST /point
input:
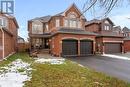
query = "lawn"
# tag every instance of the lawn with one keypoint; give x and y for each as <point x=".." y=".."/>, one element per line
<point x="69" y="74"/>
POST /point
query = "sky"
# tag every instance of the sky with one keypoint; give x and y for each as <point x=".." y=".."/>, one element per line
<point x="29" y="9"/>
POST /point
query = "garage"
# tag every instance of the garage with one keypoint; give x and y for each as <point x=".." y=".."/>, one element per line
<point x="113" y="48"/>
<point x="86" y="47"/>
<point x="69" y="47"/>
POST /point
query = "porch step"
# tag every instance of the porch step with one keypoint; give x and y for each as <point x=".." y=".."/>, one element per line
<point x="44" y="51"/>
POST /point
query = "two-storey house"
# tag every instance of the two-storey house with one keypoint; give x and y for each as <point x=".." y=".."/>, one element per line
<point x="63" y="34"/>
<point x="8" y="35"/>
<point x="109" y="38"/>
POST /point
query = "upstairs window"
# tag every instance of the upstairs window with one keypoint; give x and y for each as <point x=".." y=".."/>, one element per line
<point x="107" y="27"/>
<point x="37" y="29"/>
<point x="57" y="23"/>
<point x="47" y="29"/>
<point x="3" y="22"/>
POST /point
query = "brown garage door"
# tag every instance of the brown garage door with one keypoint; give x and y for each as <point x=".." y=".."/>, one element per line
<point x="86" y="47"/>
<point x="69" y="47"/>
<point x="112" y="48"/>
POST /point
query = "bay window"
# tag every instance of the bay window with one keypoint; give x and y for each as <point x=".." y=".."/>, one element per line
<point x="37" y="28"/>
<point x="3" y="22"/>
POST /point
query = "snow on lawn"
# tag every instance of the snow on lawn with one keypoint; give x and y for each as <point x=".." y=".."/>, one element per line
<point x="14" y="74"/>
<point x="50" y="61"/>
<point x="116" y="56"/>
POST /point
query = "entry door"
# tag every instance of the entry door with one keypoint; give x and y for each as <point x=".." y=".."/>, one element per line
<point x="69" y="47"/>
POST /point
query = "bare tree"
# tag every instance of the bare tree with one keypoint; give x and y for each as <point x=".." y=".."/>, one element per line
<point x="108" y="5"/>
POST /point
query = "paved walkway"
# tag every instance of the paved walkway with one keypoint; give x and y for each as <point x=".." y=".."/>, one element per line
<point x="47" y="56"/>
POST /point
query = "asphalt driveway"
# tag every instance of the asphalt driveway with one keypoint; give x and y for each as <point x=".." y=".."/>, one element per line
<point x="114" y="67"/>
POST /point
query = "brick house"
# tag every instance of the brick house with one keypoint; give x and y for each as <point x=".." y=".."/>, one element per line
<point x="8" y="35"/>
<point x="109" y="38"/>
<point x="126" y="33"/>
<point x="70" y="34"/>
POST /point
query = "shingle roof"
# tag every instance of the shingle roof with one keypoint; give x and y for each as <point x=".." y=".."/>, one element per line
<point x="97" y="21"/>
<point x="127" y="38"/>
<point x="125" y="29"/>
<point x="42" y="19"/>
<point x="75" y="31"/>
<point x="112" y="34"/>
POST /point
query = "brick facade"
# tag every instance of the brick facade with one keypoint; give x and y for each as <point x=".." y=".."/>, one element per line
<point x="9" y="35"/>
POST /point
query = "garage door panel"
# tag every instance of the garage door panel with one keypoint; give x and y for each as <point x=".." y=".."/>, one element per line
<point x="69" y="47"/>
<point x="86" y="47"/>
<point x="112" y="48"/>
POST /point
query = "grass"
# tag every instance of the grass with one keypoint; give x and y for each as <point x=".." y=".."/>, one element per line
<point x="24" y="56"/>
<point x="66" y="75"/>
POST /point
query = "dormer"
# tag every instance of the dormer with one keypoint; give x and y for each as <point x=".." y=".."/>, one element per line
<point x="107" y="24"/>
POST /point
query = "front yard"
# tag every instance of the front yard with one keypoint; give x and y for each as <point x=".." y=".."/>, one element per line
<point x="68" y="74"/>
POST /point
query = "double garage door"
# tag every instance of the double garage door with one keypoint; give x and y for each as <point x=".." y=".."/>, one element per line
<point x="113" y="48"/>
<point x="70" y="47"/>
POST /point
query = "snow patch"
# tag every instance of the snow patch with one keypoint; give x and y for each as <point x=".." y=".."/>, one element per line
<point x="14" y="74"/>
<point x="116" y="56"/>
<point x="50" y="61"/>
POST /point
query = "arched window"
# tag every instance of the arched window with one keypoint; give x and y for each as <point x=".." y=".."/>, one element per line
<point x="72" y="20"/>
<point x="72" y="15"/>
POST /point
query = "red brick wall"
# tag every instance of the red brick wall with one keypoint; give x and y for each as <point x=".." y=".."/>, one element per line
<point x="127" y="46"/>
<point x="102" y="40"/>
<point x="9" y="44"/>
<point x="56" y="41"/>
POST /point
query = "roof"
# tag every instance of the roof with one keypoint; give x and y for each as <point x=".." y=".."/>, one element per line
<point x="41" y="35"/>
<point x="7" y="31"/>
<point x="125" y="29"/>
<point x="117" y="28"/>
<point x="45" y="19"/>
<point x="112" y="34"/>
<point x="42" y="19"/>
<point x="75" y="31"/>
<point x="97" y="21"/>
<point x="127" y="38"/>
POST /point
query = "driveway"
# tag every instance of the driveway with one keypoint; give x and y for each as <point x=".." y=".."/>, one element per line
<point x="119" y="68"/>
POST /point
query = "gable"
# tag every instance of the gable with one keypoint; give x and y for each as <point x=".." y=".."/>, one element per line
<point x="106" y="22"/>
<point x="73" y="9"/>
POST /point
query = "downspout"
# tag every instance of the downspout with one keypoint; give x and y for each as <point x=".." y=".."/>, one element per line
<point x="3" y="53"/>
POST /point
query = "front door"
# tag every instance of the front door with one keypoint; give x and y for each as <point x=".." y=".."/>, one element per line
<point x="46" y="41"/>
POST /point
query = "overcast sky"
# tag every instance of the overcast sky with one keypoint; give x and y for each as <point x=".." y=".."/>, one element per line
<point x="28" y="9"/>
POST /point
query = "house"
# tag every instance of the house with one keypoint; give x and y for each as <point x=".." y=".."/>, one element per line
<point x="126" y="33"/>
<point x="8" y="35"/>
<point x="70" y="34"/>
<point x="21" y="44"/>
<point x="63" y="34"/>
<point x="109" y="38"/>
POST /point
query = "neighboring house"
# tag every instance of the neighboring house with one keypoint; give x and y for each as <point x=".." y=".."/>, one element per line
<point x="8" y="35"/>
<point x="110" y="38"/>
<point x="70" y="34"/>
<point x="126" y="33"/>
<point x="21" y="44"/>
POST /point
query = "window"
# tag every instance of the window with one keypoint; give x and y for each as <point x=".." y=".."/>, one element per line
<point x="79" y="24"/>
<point x="107" y="27"/>
<point x="3" y="22"/>
<point x="66" y="23"/>
<point x="47" y="29"/>
<point x="57" y="22"/>
<point x="37" y="29"/>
